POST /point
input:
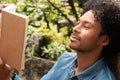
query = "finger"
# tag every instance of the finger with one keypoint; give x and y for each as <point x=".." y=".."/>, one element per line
<point x="6" y="71"/>
<point x="9" y="70"/>
<point x="8" y="67"/>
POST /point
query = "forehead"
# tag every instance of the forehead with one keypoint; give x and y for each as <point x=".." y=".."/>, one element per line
<point x="88" y="17"/>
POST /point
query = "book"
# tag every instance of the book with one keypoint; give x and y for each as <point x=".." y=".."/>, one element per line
<point x="13" y="38"/>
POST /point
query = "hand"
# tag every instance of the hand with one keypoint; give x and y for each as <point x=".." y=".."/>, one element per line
<point x="6" y="72"/>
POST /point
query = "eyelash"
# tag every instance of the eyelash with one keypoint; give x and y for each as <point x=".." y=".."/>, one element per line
<point x="86" y="27"/>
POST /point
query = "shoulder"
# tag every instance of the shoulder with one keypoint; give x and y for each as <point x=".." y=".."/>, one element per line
<point x="68" y="55"/>
<point x="66" y="58"/>
<point x="61" y="67"/>
<point x="106" y="74"/>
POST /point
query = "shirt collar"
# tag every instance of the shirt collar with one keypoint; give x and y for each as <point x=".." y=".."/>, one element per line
<point x="91" y="72"/>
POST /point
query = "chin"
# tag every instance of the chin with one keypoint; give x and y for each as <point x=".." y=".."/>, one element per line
<point x="75" y="47"/>
<point x="72" y="46"/>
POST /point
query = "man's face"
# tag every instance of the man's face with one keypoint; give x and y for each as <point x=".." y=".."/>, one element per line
<point x="86" y="35"/>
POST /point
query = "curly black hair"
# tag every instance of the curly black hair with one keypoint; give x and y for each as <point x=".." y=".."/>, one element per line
<point x="107" y="12"/>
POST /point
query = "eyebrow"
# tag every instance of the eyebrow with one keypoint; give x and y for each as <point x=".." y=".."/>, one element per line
<point x="86" y="21"/>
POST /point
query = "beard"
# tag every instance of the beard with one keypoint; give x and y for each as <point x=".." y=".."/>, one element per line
<point x="77" y="48"/>
<point x="81" y="49"/>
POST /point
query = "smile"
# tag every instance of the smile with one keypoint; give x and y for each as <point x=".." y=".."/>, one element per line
<point x="75" y="38"/>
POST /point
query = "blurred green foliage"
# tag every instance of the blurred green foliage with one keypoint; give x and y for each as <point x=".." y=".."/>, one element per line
<point x="43" y="18"/>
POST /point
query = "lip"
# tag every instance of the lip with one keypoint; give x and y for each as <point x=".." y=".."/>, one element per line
<point x="75" y="38"/>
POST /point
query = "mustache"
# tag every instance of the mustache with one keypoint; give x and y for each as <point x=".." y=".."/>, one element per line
<point x="76" y="36"/>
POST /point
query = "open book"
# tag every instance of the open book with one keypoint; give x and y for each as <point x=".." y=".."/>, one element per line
<point x="13" y="38"/>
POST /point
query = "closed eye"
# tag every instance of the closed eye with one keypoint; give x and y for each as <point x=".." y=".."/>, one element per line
<point x="86" y="27"/>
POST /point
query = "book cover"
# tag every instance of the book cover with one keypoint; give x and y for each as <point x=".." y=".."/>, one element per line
<point x="13" y="38"/>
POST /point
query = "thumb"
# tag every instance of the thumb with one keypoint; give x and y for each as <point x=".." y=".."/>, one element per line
<point x="9" y="70"/>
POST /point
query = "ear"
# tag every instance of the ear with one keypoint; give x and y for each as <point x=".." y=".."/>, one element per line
<point x="105" y="40"/>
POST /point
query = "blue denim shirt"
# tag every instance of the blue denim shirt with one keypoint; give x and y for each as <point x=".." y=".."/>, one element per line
<point x="64" y="70"/>
<point x="16" y="77"/>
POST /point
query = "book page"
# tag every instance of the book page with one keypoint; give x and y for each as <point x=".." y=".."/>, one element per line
<point x="13" y="38"/>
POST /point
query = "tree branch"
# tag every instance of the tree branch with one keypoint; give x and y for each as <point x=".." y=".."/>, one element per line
<point x="61" y="12"/>
<point x="71" y="3"/>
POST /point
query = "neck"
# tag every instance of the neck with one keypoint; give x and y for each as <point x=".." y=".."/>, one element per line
<point x="86" y="60"/>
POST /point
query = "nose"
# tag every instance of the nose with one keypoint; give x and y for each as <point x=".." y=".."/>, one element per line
<point x="77" y="28"/>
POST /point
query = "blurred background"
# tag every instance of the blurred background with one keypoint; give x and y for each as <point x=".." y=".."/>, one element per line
<point x="48" y="34"/>
<point x="50" y="25"/>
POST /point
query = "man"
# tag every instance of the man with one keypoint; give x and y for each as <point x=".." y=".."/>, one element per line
<point x="95" y="37"/>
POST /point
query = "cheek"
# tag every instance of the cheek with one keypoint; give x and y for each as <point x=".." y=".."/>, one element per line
<point x="89" y="37"/>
